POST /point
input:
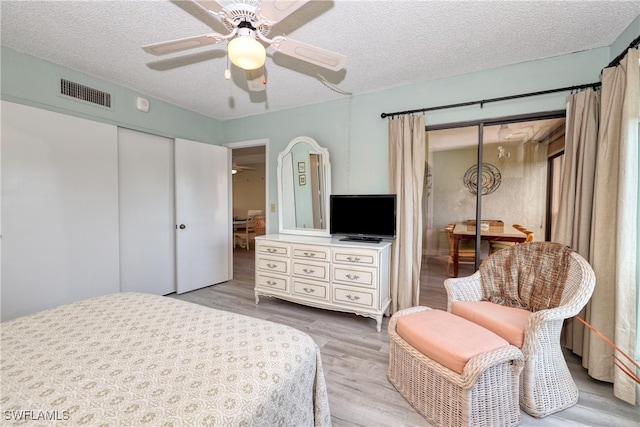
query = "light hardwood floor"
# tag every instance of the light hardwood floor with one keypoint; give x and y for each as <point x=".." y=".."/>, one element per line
<point x="355" y="356"/>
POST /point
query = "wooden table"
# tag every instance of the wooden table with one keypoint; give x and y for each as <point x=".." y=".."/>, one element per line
<point x="462" y="231"/>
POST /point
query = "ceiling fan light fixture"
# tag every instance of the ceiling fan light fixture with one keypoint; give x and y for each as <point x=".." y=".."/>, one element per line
<point x="246" y="52"/>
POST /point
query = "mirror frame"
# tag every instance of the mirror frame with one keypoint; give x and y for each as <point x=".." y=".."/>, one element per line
<point x="326" y="164"/>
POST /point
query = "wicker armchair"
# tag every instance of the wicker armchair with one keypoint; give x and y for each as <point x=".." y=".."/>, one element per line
<point x="546" y="385"/>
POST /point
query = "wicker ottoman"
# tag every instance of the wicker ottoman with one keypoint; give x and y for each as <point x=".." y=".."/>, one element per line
<point x="480" y="386"/>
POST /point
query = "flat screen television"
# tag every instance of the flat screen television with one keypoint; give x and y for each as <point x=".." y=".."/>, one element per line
<point x="368" y="217"/>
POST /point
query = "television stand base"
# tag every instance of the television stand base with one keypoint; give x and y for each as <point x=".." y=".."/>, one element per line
<point x="361" y="239"/>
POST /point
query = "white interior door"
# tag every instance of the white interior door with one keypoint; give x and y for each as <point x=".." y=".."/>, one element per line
<point x="203" y="245"/>
<point x="147" y="214"/>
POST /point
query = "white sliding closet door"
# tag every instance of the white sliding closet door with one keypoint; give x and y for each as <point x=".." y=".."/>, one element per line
<point x="59" y="209"/>
<point x="147" y="220"/>
<point x="203" y="237"/>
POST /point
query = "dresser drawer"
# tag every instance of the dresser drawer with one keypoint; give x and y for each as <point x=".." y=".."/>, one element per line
<point x="324" y="272"/>
<point x="311" y="270"/>
<point x="310" y="252"/>
<point x="311" y="290"/>
<point x="347" y="256"/>
<point x="355" y="276"/>
<point x="351" y="296"/>
<point x="265" y="281"/>
<point x="273" y="264"/>
<point x="272" y="248"/>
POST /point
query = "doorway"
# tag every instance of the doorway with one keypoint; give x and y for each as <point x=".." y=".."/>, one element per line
<point x="249" y="185"/>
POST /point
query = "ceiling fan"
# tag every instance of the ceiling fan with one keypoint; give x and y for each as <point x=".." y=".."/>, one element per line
<point x="235" y="168"/>
<point x="249" y="23"/>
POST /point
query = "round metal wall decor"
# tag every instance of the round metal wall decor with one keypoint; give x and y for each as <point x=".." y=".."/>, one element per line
<point x="491" y="179"/>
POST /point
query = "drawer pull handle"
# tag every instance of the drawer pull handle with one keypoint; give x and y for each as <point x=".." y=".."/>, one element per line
<point x="271" y="265"/>
<point x="309" y="254"/>
<point x="270" y="283"/>
<point x="308" y="270"/>
<point x="272" y="250"/>
<point x="354" y="277"/>
<point x="353" y="259"/>
<point x="309" y="291"/>
<point x="353" y="298"/>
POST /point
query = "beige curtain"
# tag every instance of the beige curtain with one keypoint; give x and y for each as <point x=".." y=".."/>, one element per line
<point x="573" y="223"/>
<point x="406" y="177"/>
<point x="613" y="307"/>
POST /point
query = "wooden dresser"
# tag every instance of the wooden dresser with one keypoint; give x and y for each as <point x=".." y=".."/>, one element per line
<point x="325" y="272"/>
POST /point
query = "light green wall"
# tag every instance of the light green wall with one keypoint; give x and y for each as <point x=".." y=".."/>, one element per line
<point x="35" y="82"/>
<point x="624" y="39"/>
<point x="356" y="136"/>
<point x="351" y="127"/>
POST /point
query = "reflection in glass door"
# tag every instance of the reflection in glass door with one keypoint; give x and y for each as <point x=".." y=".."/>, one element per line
<point x="519" y="153"/>
<point x="512" y="178"/>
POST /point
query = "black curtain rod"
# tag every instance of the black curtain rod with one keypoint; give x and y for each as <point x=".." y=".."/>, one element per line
<point x="486" y="101"/>
<point x="613" y="63"/>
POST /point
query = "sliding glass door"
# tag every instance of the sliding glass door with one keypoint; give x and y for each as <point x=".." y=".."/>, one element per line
<point x="487" y="187"/>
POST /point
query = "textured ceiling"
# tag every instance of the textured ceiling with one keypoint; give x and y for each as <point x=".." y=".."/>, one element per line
<point x="388" y="44"/>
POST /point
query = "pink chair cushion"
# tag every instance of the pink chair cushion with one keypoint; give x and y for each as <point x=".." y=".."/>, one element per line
<point x="508" y="322"/>
<point x="447" y="339"/>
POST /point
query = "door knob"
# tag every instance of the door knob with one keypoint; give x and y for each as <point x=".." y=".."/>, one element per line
<point x="182" y="226"/>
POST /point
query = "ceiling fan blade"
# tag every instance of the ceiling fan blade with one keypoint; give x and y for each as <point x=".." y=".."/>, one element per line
<point x="186" y="43"/>
<point x="211" y="5"/>
<point x="240" y="168"/>
<point x="276" y="10"/>
<point x="255" y="80"/>
<point x="306" y="52"/>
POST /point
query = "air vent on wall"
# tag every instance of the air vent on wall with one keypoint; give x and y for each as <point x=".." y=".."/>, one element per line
<point x="85" y="93"/>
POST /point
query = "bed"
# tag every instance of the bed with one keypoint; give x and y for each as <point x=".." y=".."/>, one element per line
<point x="140" y="359"/>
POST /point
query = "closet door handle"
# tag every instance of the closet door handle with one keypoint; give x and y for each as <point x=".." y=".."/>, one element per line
<point x="182" y="226"/>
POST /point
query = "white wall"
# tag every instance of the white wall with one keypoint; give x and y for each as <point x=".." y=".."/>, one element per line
<point x="248" y="190"/>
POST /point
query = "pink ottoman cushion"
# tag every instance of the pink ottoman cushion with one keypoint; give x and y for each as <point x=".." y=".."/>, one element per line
<point x="447" y="339"/>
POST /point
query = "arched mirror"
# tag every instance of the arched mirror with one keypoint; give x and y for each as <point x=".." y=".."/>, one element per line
<point x="304" y="185"/>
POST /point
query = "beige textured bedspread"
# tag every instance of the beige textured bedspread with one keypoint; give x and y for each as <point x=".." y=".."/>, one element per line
<point x="139" y="359"/>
